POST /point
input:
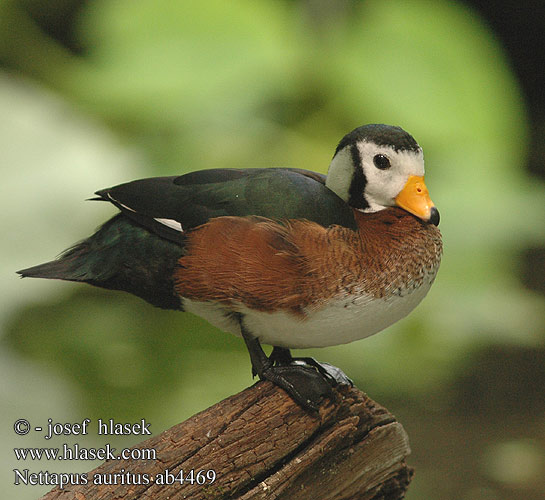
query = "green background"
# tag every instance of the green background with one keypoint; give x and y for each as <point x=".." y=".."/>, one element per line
<point x="155" y="87"/>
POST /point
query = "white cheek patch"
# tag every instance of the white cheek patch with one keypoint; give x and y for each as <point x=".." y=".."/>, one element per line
<point x="384" y="185"/>
<point x="341" y="173"/>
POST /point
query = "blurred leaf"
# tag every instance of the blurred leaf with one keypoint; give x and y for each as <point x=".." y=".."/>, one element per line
<point x="130" y="359"/>
<point x="54" y="158"/>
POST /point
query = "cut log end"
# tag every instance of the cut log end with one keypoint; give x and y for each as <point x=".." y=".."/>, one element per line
<point x="259" y="445"/>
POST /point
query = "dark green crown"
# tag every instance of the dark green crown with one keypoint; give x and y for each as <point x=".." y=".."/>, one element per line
<point x="381" y="135"/>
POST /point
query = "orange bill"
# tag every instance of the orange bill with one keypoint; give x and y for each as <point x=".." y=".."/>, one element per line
<point x="414" y="198"/>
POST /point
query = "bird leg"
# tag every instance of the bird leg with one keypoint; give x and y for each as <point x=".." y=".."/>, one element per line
<point x="306" y="385"/>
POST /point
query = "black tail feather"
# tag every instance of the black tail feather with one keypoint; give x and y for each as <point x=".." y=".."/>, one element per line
<point x="69" y="266"/>
<point x="121" y="255"/>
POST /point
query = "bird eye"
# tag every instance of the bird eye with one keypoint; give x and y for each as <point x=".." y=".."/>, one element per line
<point x="381" y="162"/>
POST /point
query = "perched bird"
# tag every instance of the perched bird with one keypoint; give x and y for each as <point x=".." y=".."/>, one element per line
<point x="281" y="256"/>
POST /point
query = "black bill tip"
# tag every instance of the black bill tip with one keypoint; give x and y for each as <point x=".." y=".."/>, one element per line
<point x="434" y="216"/>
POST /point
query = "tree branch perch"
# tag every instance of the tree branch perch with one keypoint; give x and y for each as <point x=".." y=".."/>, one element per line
<point x="262" y="445"/>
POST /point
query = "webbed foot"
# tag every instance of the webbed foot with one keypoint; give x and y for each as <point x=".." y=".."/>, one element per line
<point x="282" y="357"/>
<point x="304" y="379"/>
<point x="304" y="384"/>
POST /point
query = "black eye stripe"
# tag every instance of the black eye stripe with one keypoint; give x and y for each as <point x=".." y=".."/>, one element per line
<point x="381" y="162"/>
<point x="357" y="186"/>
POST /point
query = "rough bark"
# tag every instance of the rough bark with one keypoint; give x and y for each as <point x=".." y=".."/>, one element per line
<point x="262" y="445"/>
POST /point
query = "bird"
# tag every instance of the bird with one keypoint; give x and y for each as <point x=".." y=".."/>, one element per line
<point x="286" y="257"/>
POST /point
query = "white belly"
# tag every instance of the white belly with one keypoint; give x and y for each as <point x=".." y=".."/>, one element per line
<point x="344" y="320"/>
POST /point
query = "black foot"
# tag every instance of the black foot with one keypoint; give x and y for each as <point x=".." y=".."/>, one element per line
<point x="304" y="384"/>
<point x="304" y="379"/>
<point x="282" y="357"/>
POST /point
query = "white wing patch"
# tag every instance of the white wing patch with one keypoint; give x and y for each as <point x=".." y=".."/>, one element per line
<point x="121" y="204"/>
<point x="173" y="224"/>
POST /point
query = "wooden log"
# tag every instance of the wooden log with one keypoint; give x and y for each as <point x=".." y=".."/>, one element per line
<point x="262" y="445"/>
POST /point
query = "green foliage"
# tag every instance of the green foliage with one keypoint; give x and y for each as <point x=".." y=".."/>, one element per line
<point x="129" y="359"/>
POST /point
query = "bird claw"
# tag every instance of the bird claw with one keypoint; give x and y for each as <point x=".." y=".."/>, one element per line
<point x="336" y="376"/>
<point x="303" y="383"/>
